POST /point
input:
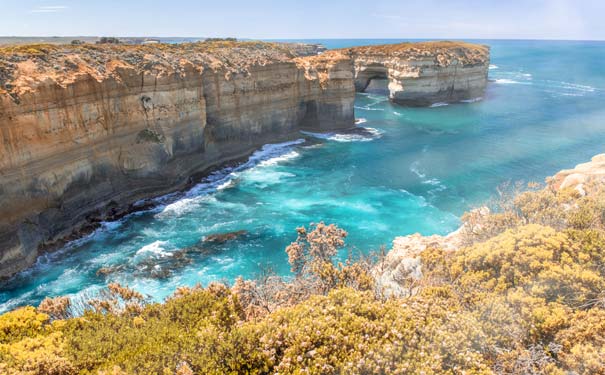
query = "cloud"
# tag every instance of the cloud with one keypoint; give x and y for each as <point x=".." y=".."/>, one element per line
<point x="49" y="9"/>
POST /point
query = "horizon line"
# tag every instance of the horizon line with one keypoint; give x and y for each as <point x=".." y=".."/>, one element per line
<point x="301" y="38"/>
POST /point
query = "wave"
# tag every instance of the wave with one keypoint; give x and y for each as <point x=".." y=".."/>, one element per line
<point x="506" y="81"/>
<point x="571" y="86"/>
<point x="269" y="155"/>
<point x="279" y="159"/>
<point x="440" y="104"/>
<point x="492" y="66"/>
<point x="414" y="168"/>
<point x="358" y="134"/>
<point x="432" y="181"/>
<point x="368" y="108"/>
<point x="156" y="248"/>
<point x="360" y="120"/>
<point x="473" y="100"/>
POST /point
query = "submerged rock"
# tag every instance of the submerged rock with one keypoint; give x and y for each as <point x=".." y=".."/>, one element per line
<point x="220" y="238"/>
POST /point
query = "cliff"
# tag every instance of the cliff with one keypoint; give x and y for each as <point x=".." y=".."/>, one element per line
<point x="421" y="74"/>
<point x="85" y="131"/>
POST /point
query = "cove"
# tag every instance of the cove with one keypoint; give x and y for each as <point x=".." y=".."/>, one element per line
<point x="405" y="170"/>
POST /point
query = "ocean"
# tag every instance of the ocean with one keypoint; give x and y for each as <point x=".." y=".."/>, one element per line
<point x="407" y="170"/>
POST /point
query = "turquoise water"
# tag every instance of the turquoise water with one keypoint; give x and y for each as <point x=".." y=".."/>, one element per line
<point x="408" y="170"/>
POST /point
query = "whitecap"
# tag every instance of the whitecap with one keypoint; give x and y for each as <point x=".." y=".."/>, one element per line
<point x="492" y="66"/>
<point x="368" y="108"/>
<point x="226" y="185"/>
<point x="178" y="208"/>
<point x="156" y="248"/>
<point x="432" y="181"/>
<point x="358" y="134"/>
<point x="279" y="159"/>
<point x="360" y="120"/>
<point x="440" y="104"/>
<point x="506" y="81"/>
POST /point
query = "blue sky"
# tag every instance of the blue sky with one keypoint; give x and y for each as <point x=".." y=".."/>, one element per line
<point x="512" y="19"/>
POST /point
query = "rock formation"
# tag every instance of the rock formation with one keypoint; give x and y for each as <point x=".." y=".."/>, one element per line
<point x="421" y="74"/>
<point x="87" y="130"/>
<point x="583" y="177"/>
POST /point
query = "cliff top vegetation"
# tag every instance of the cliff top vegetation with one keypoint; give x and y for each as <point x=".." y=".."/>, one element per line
<point x="23" y="65"/>
<point x="443" y="52"/>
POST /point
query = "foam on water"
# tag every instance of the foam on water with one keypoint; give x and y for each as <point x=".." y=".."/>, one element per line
<point x="156" y="248"/>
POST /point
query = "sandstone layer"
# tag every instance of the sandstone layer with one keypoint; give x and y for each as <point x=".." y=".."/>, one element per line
<point x="86" y="131"/>
<point x="422" y="74"/>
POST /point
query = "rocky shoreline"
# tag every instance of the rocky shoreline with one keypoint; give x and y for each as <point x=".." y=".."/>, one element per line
<point x="86" y="131"/>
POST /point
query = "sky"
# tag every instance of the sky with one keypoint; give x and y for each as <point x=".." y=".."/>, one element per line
<point x="290" y="19"/>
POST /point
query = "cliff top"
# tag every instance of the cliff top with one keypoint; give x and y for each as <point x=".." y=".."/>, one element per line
<point x="444" y="52"/>
<point x="22" y="65"/>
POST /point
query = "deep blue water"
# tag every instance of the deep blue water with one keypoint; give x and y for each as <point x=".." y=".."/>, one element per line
<point x="414" y="170"/>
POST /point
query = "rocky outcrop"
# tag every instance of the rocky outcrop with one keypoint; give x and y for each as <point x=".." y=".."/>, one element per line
<point x="583" y="178"/>
<point x="85" y="131"/>
<point x="421" y="74"/>
<point x="396" y="273"/>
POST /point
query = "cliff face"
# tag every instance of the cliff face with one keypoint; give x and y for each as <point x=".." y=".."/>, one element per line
<point x="421" y="74"/>
<point x="87" y="131"/>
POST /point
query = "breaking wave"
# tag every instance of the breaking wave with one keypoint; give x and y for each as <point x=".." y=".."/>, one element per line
<point x="358" y="134"/>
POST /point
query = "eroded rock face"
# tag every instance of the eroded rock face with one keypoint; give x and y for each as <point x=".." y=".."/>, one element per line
<point x="87" y="130"/>
<point x="421" y="74"/>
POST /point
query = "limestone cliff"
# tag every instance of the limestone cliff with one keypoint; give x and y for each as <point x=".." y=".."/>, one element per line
<point x="421" y="74"/>
<point x="85" y="131"/>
